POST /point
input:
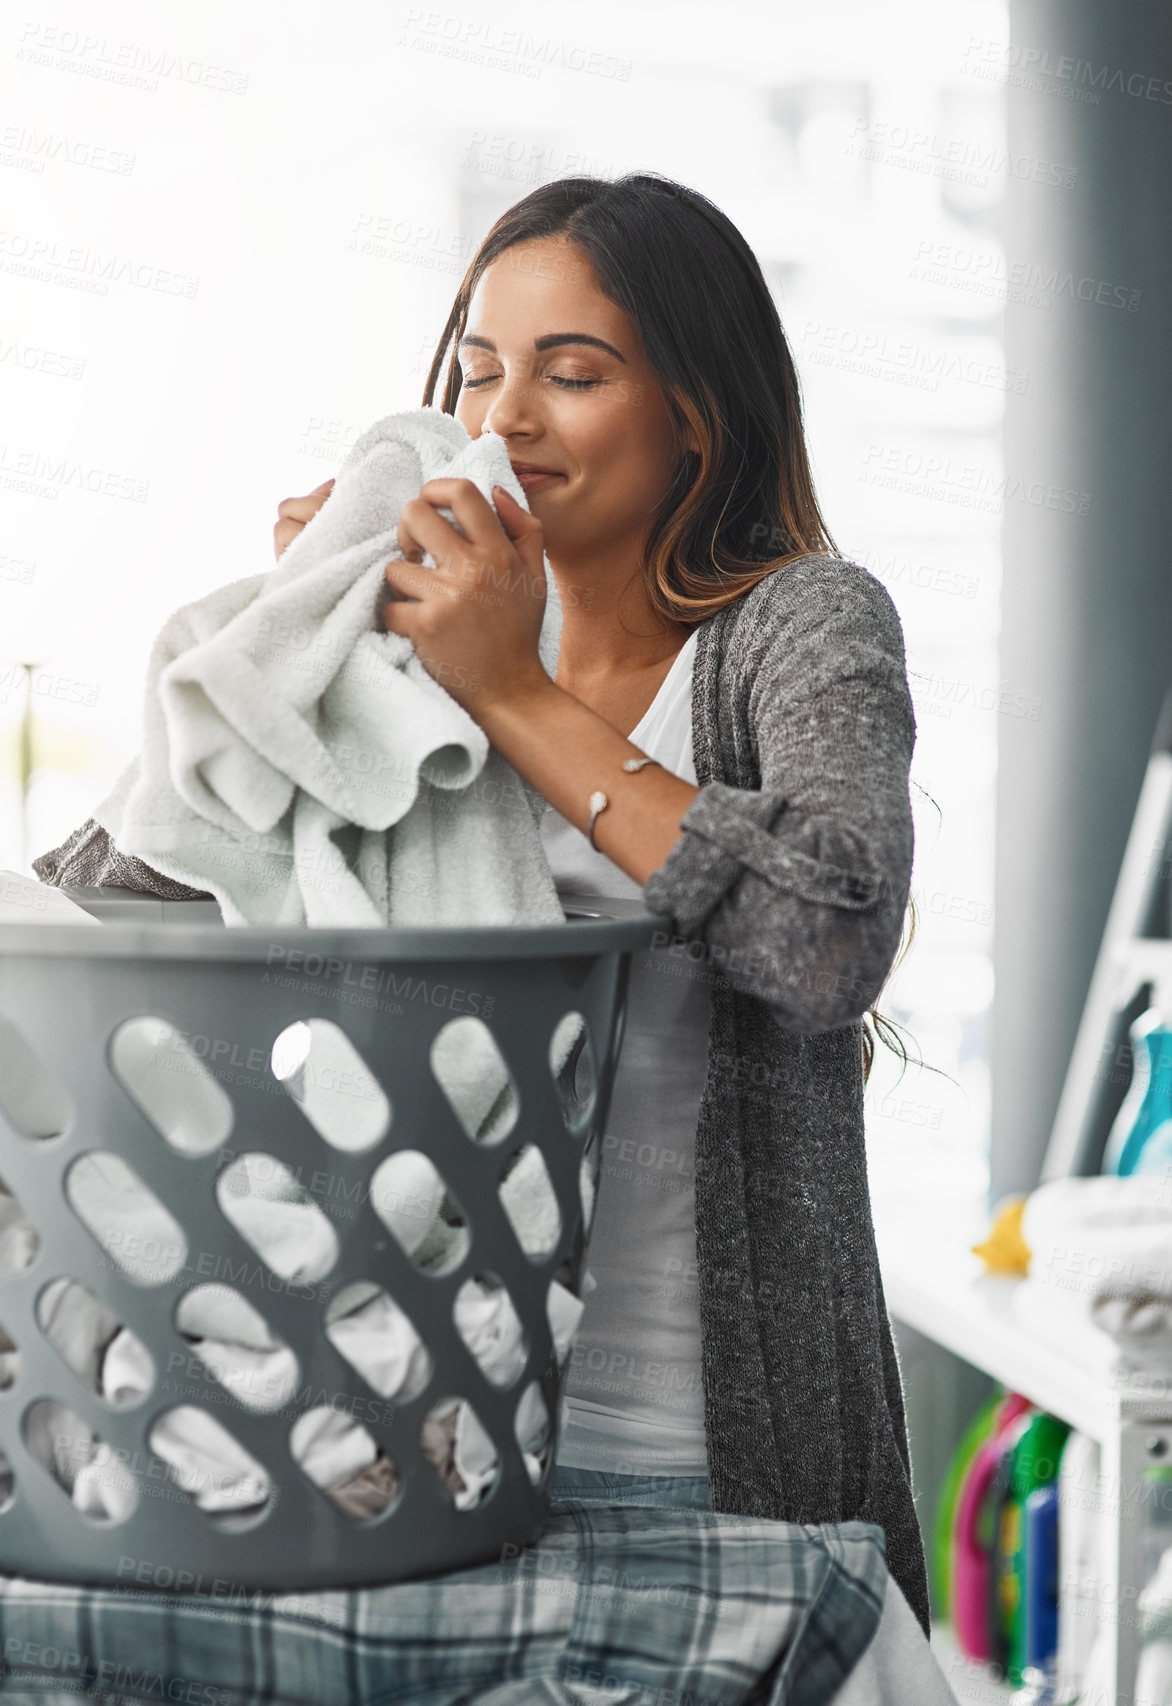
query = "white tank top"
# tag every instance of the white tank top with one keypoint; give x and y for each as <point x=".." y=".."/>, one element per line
<point x="633" y="1401"/>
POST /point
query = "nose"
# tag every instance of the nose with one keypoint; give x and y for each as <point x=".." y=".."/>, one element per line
<point x="511" y="410"/>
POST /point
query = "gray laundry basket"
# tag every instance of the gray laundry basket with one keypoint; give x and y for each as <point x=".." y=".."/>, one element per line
<point x="66" y="992"/>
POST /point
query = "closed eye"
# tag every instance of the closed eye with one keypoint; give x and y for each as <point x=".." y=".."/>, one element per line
<point x="556" y="379"/>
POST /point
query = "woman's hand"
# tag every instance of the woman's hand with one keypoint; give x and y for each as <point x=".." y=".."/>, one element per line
<point x="294" y="513"/>
<point x="475" y="618"/>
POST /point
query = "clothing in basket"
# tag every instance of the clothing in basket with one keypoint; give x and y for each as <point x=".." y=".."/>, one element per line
<point x="229" y="1336"/>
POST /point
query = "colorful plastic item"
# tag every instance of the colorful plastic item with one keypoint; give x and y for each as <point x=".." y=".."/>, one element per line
<point x="1033" y="1464"/>
<point x="998" y="1532"/>
<point x="1005" y="1251"/>
<point x="969" y="1601"/>
<point x="1140" y="1140"/>
<point x="975" y="1435"/>
<point x="1041" y="1580"/>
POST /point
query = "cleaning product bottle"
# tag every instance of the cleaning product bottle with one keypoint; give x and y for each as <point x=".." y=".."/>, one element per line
<point x="975" y="1435"/>
<point x="999" y="1530"/>
<point x="1034" y="1463"/>
<point x="1039" y="1670"/>
<point x="972" y="1541"/>
<point x="1140" y="1139"/>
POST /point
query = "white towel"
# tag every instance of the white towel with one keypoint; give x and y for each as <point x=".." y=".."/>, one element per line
<point x="1100" y="1275"/>
<point x="1064" y="1320"/>
<point x="305" y="768"/>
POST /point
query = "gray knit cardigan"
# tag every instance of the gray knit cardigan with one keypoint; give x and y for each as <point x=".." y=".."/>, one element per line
<point x="787" y="890"/>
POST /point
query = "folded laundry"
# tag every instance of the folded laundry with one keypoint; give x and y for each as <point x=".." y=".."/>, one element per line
<point x="305" y="768"/>
<point x="1100" y="1270"/>
<point x="1094" y="1207"/>
<point x="1064" y="1320"/>
<point x="1139" y="1321"/>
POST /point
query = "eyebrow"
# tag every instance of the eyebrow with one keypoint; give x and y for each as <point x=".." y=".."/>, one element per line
<point x="552" y="340"/>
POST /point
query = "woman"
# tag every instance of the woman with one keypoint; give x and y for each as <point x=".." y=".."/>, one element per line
<point x="621" y="339"/>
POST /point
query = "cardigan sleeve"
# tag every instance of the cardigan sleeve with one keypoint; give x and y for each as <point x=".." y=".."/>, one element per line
<point x="89" y="859"/>
<point x="797" y="889"/>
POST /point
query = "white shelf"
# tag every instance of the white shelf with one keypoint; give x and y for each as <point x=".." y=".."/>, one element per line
<point x="935" y="1284"/>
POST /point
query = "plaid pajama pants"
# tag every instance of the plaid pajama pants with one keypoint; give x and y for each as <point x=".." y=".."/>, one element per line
<point x="634" y="1604"/>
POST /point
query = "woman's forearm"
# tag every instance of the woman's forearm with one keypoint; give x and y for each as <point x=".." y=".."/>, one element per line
<point x="567" y="752"/>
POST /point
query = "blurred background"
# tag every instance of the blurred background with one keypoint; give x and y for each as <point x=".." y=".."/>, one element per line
<point x="232" y="243"/>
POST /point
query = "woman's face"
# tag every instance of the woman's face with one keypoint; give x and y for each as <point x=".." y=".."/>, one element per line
<point x="556" y="368"/>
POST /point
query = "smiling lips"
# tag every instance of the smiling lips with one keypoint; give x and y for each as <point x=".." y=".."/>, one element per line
<point x="530" y="476"/>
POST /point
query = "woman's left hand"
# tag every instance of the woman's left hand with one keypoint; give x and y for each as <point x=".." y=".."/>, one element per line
<point x="475" y="618"/>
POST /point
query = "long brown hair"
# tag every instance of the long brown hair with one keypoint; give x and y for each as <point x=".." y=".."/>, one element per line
<point x="744" y="505"/>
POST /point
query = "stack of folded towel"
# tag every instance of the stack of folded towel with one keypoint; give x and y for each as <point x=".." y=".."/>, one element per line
<point x="305" y="768"/>
<point x="1100" y="1271"/>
